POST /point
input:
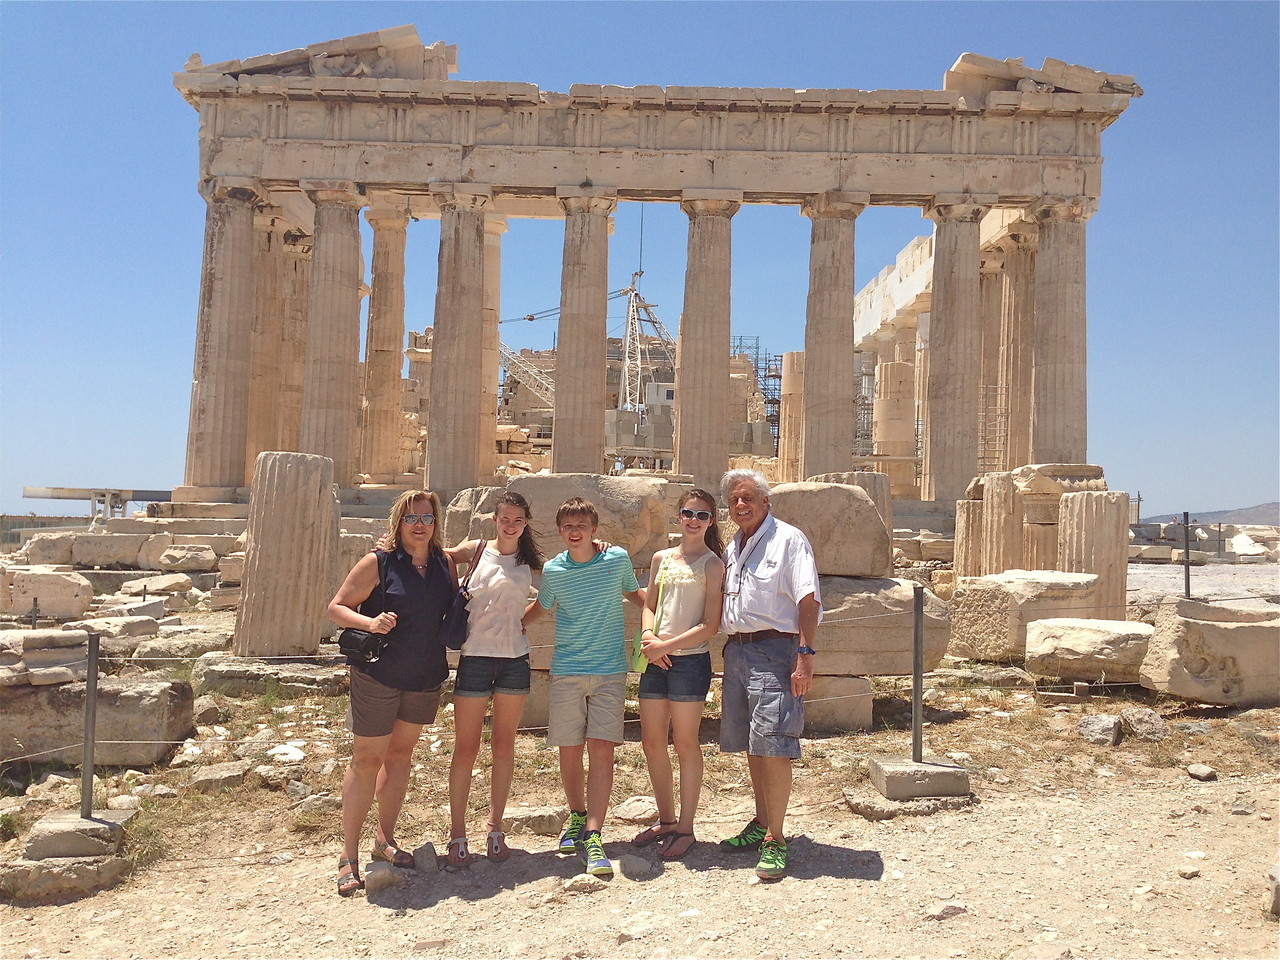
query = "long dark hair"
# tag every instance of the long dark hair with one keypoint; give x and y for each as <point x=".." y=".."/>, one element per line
<point x="527" y="551"/>
<point x="712" y="537"/>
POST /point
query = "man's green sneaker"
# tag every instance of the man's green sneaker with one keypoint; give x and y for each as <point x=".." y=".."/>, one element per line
<point x="749" y="839"/>
<point x="591" y="853"/>
<point x="572" y="835"/>
<point x="773" y="860"/>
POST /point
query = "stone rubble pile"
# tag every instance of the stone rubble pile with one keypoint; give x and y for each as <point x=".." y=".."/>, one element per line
<point x="1208" y="542"/>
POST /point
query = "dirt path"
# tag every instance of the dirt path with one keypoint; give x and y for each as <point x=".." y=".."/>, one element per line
<point x="1035" y="866"/>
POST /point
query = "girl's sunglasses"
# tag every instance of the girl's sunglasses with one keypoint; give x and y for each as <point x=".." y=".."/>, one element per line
<point x="703" y="515"/>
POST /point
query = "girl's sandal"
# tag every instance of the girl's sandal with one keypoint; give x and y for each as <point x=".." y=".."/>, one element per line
<point x="388" y="851"/>
<point x="349" y="880"/>
<point x="496" y="846"/>
<point x="672" y="848"/>
<point x="650" y="834"/>
<point x="459" y="855"/>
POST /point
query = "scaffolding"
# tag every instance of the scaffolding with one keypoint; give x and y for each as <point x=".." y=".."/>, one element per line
<point x="993" y="427"/>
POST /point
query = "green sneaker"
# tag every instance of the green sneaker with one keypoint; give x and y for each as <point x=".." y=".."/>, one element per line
<point x="591" y="853"/>
<point x="749" y="839"/>
<point x="773" y="860"/>
<point x="572" y="835"/>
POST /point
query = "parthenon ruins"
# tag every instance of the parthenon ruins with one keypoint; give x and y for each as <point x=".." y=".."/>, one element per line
<point x="1004" y="159"/>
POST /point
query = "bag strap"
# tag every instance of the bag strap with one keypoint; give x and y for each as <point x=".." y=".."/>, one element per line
<point x="475" y="558"/>
<point x="657" y="608"/>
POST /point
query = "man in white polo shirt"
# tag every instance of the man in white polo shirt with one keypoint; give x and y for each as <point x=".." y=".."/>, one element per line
<point x="772" y="607"/>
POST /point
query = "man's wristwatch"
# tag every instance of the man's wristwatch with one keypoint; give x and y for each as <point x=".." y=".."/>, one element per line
<point x="806" y="650"/>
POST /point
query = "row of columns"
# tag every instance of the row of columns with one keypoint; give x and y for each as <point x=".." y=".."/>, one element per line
<point x="1012" y="317"/>
<point x="270" y="372"/>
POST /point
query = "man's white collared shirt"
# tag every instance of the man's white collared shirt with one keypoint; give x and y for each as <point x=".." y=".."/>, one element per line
<point x="766" y="578"/>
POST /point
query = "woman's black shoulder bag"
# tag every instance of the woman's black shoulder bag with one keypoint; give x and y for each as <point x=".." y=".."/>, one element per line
<point x="360" y="646"/>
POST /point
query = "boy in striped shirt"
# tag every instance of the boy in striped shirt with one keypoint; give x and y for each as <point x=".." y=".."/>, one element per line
<point x="588" y="671"/>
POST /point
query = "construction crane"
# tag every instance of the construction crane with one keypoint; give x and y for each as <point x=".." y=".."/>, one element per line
<point x="543" y="387"/>
<point x="636" y="358"/>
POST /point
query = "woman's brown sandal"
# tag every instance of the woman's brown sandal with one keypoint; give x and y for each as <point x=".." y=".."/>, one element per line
<point x="388" y="851"/>
<point x="650" y="834"/>
<point x="459" y="855"/>
<point x="496" y="846"/>
<point x="349" y="880"/>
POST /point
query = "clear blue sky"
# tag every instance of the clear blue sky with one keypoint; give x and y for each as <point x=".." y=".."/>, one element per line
<point x="102" y="226"/>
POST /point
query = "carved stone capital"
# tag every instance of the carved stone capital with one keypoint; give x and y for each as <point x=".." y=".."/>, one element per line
<point x="387" y="212"/>
<point x="835" y="204"/>
<point x="595" y="206"/>
<point x="495" y="224"/>
<point x="1063" y="209"/>
<point x="475" y="197"/>
<point x="242" y="189"/>
<point x="990" y="261"/>
<point x="1020" y="235"/>
<point x="710" y="207"/>
<point x="962" y="209"/>
<point x="333" y="191"/>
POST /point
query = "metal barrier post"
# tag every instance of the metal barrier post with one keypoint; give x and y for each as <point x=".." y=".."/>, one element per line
<point x="917" y="672"/>
<point x="35" y="611"/>
<point x="90" y="721"/>
<point x="1186" y="554"/>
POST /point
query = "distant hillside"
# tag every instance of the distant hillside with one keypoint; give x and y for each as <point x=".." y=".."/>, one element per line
<point x="1267" y="513"/>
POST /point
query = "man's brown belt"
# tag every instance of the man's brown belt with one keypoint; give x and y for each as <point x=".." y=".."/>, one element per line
<point x="760" y="635"/>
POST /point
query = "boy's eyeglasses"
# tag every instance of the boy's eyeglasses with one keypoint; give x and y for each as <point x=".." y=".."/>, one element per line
<point x="412" y="518"/>
<point x="695" y="515"/>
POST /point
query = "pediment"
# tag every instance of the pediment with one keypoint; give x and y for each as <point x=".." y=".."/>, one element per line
<point x="394" y="53"/>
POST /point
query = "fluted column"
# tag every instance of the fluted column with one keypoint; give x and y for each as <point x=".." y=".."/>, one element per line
<point x="267" y="341"/>
<point x="791" y="416"/>
<point x="828" y="333"/>
<point x="702" y="359"/>
<point x="292" y="540"/>
<point x="453" y="422"/>
<point x="577" y="439"/>
<point x="991" y="423"/>
<point x="295" y="297"/>
<point x="1002" y="524"/>
<point x="893" y="410"/>
<point x="955" y="343"/>
<point x="1017" y="331"/>
<point x="331" y="389"/>
<point x="1059" y="399"/>
<point x="218" y="426"/>
<point x="494" y="227"/>
<point x="1093" y="537"/>
<point x="384" y="343"/>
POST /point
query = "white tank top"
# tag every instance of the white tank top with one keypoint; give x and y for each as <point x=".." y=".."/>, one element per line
<point x="499" y="592"/>
<point x="684" y="600"/>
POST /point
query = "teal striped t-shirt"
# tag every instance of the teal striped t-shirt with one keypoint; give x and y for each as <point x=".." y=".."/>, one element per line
<point x="590" y="636"/>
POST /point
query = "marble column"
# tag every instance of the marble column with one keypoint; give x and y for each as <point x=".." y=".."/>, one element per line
<point x="1059" y="400"/>
<point x="495" y="225"/>
<point x="1093" y="537"/>
<point x="380" y="455"/>
<point x="791" y="416"/>
<point x="894" y="408"/>
<point x="577" y="439"/>
<point x="331" y="389"/>
<point x="270" y="265"/>
<point x="991" y="414"/>
<point x="1017" y="329"/>
<point x="295" y="298"/>
<point x="828" y="333"/>
<point x="955" y="345"/>
<point x="218" y="426"/>
<point x="453" y="422"/>
<point x="702" y="359"/>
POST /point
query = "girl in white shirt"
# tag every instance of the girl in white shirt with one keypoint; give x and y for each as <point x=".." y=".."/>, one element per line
<point x="494" y="663"/>
<point x="681" y="614"/>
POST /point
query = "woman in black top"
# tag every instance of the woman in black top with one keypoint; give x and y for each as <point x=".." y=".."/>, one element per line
<point x="392" y="698"/>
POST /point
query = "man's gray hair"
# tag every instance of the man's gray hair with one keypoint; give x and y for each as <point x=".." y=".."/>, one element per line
<point x="733" y="478"/>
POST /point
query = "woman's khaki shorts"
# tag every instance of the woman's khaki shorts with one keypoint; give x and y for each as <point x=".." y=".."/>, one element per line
<point x="586" y="708"/>
<point x="375" y="707"/>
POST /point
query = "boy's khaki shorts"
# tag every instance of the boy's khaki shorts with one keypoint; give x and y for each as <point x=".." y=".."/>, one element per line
<point x="585" y="708"/>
